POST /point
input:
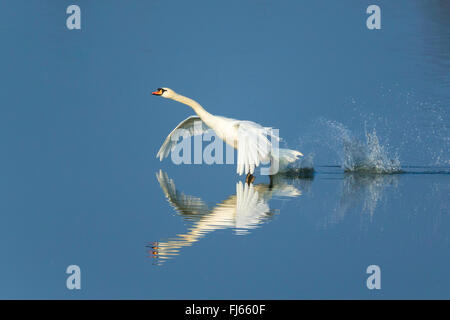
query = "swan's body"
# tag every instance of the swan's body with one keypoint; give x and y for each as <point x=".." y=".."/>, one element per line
<point x="249" y="138"/>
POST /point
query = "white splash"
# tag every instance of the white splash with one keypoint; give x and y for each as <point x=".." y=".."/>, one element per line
<point x="355" y="155"/>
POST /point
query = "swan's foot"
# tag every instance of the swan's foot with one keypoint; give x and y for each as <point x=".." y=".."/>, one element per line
<point x="250" y="178"/>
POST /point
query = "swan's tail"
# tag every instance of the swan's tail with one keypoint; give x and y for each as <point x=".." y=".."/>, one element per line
<point x="285" y="157"/>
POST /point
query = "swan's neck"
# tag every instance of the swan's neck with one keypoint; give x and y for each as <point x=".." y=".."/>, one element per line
<point x="202" y="113"/>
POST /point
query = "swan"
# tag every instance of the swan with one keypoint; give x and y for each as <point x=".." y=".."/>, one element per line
<point x="249" y="138"/>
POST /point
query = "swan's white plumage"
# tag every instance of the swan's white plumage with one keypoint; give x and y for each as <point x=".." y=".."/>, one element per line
<point x="193" y="124"/>
<point x="252" y="141"/>
<point x="253" y="145"/>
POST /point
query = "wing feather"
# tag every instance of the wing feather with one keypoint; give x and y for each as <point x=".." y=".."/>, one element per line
<point x="254" y="145"/>
<point x="193" y="124"/>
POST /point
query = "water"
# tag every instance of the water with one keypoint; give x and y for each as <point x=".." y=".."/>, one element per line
<point x="81" y="184"/>
<point x="336" y="221"/>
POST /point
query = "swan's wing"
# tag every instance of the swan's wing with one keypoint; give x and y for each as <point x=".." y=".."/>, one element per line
<point x="194" y="126"/>
<point x="188" y="206"/>
<point x="253" y="144"/>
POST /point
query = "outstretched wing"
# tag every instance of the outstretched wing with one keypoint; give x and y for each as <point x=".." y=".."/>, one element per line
<point x="194" y="126"/>
<point x="253" y="144"/>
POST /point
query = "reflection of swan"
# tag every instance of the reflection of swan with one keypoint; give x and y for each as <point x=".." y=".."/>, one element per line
<point x="249" y="138"/>
<point x="243" y="211"/>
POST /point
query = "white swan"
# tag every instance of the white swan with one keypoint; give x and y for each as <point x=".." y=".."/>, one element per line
<point x="249" y="138"/>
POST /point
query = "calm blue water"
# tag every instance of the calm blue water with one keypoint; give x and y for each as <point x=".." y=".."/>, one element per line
<point x="79" y="132"/>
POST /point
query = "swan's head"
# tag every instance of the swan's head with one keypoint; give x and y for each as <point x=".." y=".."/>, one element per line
<point x="164" y="92"/>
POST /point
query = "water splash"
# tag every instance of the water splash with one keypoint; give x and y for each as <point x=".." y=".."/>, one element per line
<point x="417" y="124"/>
<point x="356" y="155"/>
<point x="303" y="168"/>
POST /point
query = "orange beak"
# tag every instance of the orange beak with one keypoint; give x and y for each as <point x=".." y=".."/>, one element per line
<point x="157" y="93"/>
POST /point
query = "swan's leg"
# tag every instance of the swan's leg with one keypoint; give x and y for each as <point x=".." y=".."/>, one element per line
<point x="250" y="178"/>
<point x="271" y="181"/>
